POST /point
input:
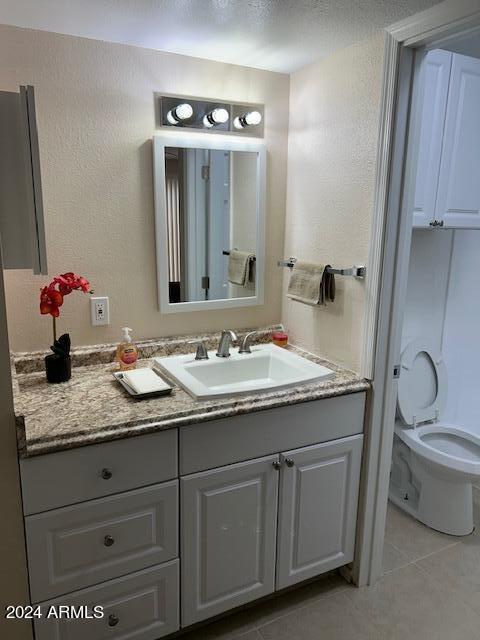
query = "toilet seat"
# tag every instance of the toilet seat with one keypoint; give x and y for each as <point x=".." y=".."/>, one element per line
<point x="446" y="445"/>
<point x="422" y="386"/>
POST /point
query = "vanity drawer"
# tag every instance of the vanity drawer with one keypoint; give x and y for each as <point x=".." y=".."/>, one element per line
<point x="78" y="546"/>
<point x="262" y="433"/>
<point x="140" y="606"/>
<point x="64" y="478"/>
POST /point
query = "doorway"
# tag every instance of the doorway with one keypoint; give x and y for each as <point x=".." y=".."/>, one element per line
<point x="443" y="27"/>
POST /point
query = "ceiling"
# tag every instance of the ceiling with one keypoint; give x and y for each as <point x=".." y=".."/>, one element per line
<point x="278" y="35"/>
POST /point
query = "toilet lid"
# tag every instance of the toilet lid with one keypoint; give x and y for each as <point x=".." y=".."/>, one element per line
<point x="422" y="387"/>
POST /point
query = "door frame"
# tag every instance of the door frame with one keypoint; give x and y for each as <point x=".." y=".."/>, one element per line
<point x="388" y="260"/>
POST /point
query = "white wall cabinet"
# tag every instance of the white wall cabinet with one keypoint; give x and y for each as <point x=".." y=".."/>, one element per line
<point x="458" y="199"/>
<point x="229" y="518"/>
<point x="229" y="522"/>
<point x="432" y="78"/>
<point x="447" y="132"/>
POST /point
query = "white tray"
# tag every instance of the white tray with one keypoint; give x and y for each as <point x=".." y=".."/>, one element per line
<point x="118" y="375"/>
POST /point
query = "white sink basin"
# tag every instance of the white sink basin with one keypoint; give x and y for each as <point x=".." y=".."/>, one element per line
<point x="268" y="367"/>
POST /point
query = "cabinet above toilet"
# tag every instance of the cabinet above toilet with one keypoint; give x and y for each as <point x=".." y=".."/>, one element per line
<point x="447" y="135"/>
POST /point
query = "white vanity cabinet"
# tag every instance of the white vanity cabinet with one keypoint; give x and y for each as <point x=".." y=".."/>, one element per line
<point x="229" y="524"/>
<point x="447" y="134"/>
<point x="101" y="527"/>
<point x="318" y="509"/>
<point x="84" y="544"/>
<point x="140" y="606"/>
<point x="231" y="549"/>
<point x="197" y="520"/>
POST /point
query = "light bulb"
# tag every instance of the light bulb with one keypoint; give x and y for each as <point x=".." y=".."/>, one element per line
<point x="181" y="112"/>
<point x="253" y="118"/>
<point x="250" y="119"/>
<point x="217" y="116"/>
<point x="220" y="115"/>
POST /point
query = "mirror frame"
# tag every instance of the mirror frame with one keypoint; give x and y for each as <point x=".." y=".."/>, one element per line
<point x="201" y="141"/>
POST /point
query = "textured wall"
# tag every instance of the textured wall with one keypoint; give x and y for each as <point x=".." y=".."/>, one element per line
<point x="334" y="115"/>
<point x="95" y="113"/>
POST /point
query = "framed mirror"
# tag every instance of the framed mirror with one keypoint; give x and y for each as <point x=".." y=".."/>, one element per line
<point x="209" y="222"/>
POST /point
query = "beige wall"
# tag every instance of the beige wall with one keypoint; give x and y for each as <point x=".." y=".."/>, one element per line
<point x="334" y="115"/>
<point x="95" y="112"/>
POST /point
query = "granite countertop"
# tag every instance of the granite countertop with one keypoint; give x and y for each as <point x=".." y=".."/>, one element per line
<point x="93" y="407"/>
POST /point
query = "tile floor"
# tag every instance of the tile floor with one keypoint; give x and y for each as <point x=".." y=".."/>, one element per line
<point x="430" y="589"/>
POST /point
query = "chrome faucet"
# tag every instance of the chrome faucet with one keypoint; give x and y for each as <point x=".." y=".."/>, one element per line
<point x="246" y="343"/>
<point x="226" y="340"/>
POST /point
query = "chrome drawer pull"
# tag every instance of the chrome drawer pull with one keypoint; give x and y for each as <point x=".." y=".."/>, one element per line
<point x="108" y="541"/>
<point x="106" y="474"/>
<point x="113" y="620"/>
<point x="289" y="462"/>
<point x="277" y="465"/>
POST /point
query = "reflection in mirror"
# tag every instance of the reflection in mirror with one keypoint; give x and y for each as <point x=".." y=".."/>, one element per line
<point x="212" y="211"/>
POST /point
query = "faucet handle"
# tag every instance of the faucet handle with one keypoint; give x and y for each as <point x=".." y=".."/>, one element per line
<point x="246" y="342"/>
<point x="202" y="353"/>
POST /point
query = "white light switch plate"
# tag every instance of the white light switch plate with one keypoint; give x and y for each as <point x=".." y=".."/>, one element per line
<point x="99" y="311"/>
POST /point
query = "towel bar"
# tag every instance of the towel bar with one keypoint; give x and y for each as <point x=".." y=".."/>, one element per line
<point x="227" y="253"/>
<point x="358" y="271"/>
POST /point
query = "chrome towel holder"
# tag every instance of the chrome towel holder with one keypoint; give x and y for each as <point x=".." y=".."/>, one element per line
<point x="358" y="271"/>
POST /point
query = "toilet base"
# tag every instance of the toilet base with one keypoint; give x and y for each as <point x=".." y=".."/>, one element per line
<point x="444" y="500"/>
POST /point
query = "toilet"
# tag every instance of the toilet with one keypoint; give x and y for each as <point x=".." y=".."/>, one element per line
<point x="433" y="462"/>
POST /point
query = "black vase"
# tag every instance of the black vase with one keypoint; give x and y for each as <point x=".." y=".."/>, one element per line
<point x="58" y="368"/>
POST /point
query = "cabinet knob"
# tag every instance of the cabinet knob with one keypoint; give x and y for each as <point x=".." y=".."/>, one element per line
<point x="289" y="462"/>
<point x="113" y="620"/>
<point x="106" y="474"/>
<point x="277" y="465"/>
<point x="108" y="541"/>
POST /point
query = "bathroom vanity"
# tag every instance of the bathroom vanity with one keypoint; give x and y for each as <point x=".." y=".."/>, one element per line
<point x="205" y="507"/>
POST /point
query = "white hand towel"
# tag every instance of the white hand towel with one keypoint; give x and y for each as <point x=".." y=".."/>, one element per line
<point x="311" y="283"/>
<point x="144" y="380"/>
<point x="240" y="266"/>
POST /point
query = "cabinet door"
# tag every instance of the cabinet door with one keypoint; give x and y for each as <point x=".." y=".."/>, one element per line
<point x="458" y="201"/>
<point x="318" y="509"/>
<point x="229" y="518"/>
<point x="432" y="74"/>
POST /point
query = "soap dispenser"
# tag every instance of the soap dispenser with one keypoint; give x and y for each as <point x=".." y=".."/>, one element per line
<point x="127" y="352"/>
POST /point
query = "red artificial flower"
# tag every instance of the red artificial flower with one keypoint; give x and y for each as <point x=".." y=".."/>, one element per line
<point x="50" y="301"/>
<point x="51" y="298"/>
<point x="68" y="282"/>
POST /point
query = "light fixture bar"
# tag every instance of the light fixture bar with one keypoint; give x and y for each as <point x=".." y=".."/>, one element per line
<point x="210" y="116"/>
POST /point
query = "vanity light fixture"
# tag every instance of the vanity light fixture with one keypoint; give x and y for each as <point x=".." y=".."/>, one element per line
<point x="181" y="112"/>
<point x="250" y="119"/>
<point x="210" y="116"/>
<point x="217" y="116"/>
